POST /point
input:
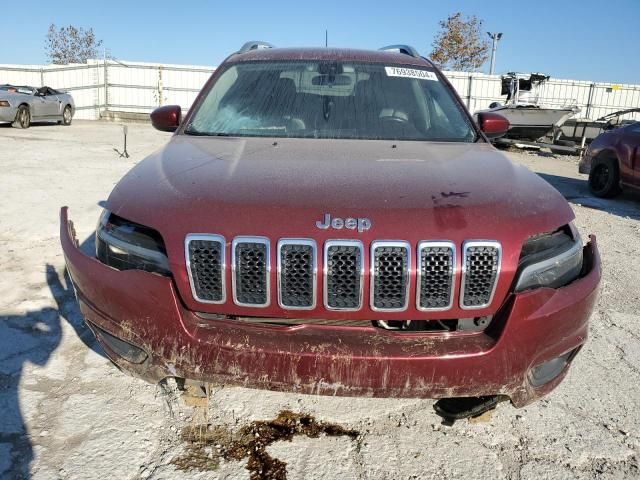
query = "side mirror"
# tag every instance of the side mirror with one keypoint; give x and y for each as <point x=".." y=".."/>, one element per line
<point x="167" y="118"/>
<point x="492" y="124"/>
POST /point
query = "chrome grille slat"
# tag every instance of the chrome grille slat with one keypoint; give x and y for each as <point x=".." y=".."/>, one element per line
<point x="480" y="270"/>
<point x="343" y="274"/>
<point x="435" y="275"/>
<point x="297" y="273"/>
<point x="250" y="265"/>
<point x="390" y="269"/>
<point x="205" y="257"/>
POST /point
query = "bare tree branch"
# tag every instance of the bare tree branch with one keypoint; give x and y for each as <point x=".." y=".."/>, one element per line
<point x="71" y="45"/>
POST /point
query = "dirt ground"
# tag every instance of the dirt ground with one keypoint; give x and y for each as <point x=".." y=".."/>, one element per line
<point x="66" y="412"/>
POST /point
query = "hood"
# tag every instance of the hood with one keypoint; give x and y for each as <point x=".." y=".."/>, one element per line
<point x="282" y="187"/>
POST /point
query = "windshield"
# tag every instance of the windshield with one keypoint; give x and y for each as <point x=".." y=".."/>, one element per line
<point x="12" y="89"/>
<point x="331" y="100"/>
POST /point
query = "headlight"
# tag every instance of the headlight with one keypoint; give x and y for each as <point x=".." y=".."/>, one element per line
<point x="550" y="260"/>
<point x="4" y="103"/>
<point x="125" y="245"/>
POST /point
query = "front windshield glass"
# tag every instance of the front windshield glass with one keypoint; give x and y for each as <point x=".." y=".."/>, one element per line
<point x="331" y="100"/>
<point x="12" y="89"/>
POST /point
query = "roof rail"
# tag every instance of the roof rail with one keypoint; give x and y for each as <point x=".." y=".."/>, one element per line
<point x="254" y="45"/>
<point x="405" y="49"/>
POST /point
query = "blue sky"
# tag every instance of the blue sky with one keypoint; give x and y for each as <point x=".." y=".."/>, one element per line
<point x="587" y="39"/>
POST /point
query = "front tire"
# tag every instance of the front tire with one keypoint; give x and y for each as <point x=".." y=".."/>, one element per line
<point x="66" y="116"/>
<point x="604" y="178"/>
<point x="23" y="117"/>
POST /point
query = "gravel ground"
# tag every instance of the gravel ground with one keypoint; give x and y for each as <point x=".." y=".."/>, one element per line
<point x="67" y="413"/>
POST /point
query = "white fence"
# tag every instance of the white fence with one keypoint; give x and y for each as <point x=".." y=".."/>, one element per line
<point x="114" y="86"/>
<point x="595" y="99"/>
<point x="100" y="86"/>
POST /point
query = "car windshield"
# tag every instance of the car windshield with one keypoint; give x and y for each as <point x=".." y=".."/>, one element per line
<point x="331" y="100"/>
<point x="13" y="89"/>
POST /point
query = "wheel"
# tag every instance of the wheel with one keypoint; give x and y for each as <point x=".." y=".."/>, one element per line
<point x="66" y="116"/>
<point x="604" y="178"/>
<point x="23" y="117"/>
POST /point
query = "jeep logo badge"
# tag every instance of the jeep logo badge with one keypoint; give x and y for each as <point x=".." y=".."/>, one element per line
<point x="362" y="224"/>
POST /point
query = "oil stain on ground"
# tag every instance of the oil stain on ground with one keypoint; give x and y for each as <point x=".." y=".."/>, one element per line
<point x="206" y="444"/>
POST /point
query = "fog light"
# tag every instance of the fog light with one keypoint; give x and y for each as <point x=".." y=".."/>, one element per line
<point x="547" y="371"/>
<point x="129" y="352"/>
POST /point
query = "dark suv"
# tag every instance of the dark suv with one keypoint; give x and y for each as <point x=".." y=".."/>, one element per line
<point x="332" y="221"/>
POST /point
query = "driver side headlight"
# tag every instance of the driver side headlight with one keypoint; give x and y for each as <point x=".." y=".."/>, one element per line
<point x="550" y="260"/>
<point x="125" y="245"/>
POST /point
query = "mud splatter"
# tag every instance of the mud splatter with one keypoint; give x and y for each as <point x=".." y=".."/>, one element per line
<point x="454" y="194"/>
<point x="207" y="444"/>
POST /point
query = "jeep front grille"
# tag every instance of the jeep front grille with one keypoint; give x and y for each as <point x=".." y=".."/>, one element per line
<point x="390" y="269"/>
<point x="343" y="271"/>
<point x="390" y="273"/>
<point x="205" y="266"/>
<point x="436" y="273"/>
<point x="480" y="269"/>
<point x="251" y="268"/>
<point x="297" y="274"/>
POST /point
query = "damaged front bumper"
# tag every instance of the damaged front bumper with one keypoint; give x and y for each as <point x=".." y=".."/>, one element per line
<point x="584" y="166"/>
<point x="144" y="311"/>
<point x="8" y="114"/>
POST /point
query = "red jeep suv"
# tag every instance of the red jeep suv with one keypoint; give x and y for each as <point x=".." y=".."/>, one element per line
<point x="332" y="221"/>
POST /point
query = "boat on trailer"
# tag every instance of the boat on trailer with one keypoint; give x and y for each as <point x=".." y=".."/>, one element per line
<point x="584" y="130"/>
<point x="529" y="119"/>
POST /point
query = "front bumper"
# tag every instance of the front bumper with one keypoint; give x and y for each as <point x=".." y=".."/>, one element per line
<point x="8" y="114"/>
<point x="144" y="310"/>
<point x="584" y="165"/>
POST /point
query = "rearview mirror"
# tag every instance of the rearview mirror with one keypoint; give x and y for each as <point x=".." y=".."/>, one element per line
<point x="167" y="118"/>
<point x="492" y="124"/>
<point x="333" y="80"/>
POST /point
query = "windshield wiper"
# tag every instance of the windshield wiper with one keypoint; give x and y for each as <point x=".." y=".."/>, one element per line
<point x="192" y="131"/>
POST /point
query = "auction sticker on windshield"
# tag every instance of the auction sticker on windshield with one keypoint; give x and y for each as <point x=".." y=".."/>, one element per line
<point x="410" y="73"/>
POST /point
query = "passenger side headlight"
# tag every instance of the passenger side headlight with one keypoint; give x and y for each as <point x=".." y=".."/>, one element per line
<point x="550" y="260"/>
<point x="125" y="245"/>
<point x="4" y="103"/>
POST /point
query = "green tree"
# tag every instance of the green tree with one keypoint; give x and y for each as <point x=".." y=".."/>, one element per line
<point x="459" y="44"/>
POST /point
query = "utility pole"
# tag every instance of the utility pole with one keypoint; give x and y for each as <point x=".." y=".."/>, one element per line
<point x="326" y="38"/>
<point x="105" y="72"/>
<point x="496" y="38"/>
